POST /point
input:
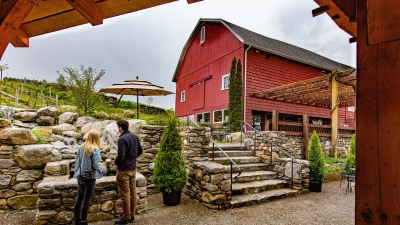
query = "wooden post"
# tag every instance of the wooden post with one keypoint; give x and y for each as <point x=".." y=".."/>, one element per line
<point x="50" y="92"/>
<point x="16" y="97"/>
<point x="305" y="136"/>
<point x="41" y="98"/>
<point x="334" y="116"/>
<point x="275" y="119"/>
<point x="56" y="100"/>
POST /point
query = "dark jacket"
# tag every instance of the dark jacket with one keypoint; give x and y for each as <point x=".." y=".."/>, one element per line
<point x="129" y="148"/>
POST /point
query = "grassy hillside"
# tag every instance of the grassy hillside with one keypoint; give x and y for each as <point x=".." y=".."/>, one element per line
<point x="31" y="92"/>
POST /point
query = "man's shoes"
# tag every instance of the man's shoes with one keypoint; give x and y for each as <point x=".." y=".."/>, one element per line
<point x="132" y="220"/>
<point x="121" y="221"/>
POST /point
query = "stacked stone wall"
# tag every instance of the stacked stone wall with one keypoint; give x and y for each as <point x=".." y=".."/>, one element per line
<point x="55" y="203"/>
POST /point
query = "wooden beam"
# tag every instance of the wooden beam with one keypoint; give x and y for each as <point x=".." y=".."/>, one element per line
<point x="89" y="10"/>
<point x="320" y="10"/>
<point x="305" y="136"/>
<point x="20" y="38"/>
<point x="342" y="81"/>
<point x="275" y="119"/>
<point x="12" y="13"/>
<point x="193" y="1"/>
<point x="334" y="116"/>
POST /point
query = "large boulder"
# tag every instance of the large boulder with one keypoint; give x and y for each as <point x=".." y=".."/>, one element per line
<point x="68" y="117"/>
<point x="4" y="122"/>
<point x="23" y="202"/>
<point x="236" y="137"/>
<point x="26" y="116"/>
<point x="47" y="111"/>
<point x="81" y="121"/>
<point x="129" y="114"/>
<point x="6" y="112"/>
<point x="17" y="136"/>
<point x="59" y="129"/>
<point x="67" y="108"/>
<point x="45" y="121"/>
<point x="98" y="125"/>
<point x="111" y="132"/>
<point x="45" y="132"/>
<point x="35" y="156"/>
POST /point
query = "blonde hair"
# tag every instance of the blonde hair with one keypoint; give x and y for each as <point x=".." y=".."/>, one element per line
<point x="92" y="141"/>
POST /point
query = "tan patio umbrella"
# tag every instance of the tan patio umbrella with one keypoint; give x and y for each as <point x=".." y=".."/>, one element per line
<point x="136" y="87"/>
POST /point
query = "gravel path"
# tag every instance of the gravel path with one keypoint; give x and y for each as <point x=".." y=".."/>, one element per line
<point x="331" y="206"/>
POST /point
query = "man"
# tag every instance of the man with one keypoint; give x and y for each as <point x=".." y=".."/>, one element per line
<point x="129" y="148"/>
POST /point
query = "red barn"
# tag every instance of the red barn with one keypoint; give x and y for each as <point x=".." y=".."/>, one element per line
<point x="202" y="74"/>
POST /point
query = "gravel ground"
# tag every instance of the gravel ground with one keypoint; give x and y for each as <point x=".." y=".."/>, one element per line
<point x="331" y="206"/>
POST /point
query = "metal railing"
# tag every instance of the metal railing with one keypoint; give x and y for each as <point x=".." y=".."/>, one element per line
<point x="244" y="123"/>
<point x="230" y="159"/>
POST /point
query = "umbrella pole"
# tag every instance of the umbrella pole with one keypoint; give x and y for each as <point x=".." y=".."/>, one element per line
<point x="137" y="106"/>
<point x="119" y="100"/>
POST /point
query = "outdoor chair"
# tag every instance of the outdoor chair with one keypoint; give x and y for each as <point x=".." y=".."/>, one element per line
<point x="350" y="179"/>
<point x="344" y="174"/>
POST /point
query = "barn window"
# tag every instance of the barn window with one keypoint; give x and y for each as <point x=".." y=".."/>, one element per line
<point x="183" y="96"/>
<point x="202" y="35"/>
<point x="221" y="116"/>
<point x="203" y="117"/>
<point x="225" y="82"/>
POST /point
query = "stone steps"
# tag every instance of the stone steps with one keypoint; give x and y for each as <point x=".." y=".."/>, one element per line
<point x="258" y="186"/>
<point x="265" y="196"/>
<point x="237" y="160"/>
<point x="234" y="153"/>
<point x="229" y="147"/>
<point x="254" y="176"/>
<point x="248" y="167"/>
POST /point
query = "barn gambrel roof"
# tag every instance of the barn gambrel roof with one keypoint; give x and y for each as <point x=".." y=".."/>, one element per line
<point x="266" y="44"/>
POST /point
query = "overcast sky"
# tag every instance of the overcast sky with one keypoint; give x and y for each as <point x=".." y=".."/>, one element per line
<point x="148" y="43"/>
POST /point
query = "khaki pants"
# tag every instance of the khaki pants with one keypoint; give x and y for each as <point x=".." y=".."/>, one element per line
<point x="126" y="182"/>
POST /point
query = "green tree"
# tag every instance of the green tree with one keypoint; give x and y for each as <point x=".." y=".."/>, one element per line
<point x="316" y="159"/>
<point x="235" y="95"/>
<point x="169" y="166"/>
<point x="3" y="67"/>
<point x="351" y="158"/>
<point x="82" y="86"/>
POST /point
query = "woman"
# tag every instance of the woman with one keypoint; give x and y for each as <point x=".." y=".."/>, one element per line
<point x="87" y="160"/>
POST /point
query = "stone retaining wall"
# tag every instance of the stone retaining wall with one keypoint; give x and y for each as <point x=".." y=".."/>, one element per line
<point x="56" y="199"/>
<point x="291" y="144"/>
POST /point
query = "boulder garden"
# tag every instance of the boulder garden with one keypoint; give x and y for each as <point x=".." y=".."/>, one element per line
<point x="68" y="117"/>
<point x="47" y="111"/>
<point x="35" y="156"/>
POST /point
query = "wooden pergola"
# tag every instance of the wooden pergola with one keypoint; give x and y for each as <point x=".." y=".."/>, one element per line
<point x="23" y="19"/>
<point x="334" y="90"/>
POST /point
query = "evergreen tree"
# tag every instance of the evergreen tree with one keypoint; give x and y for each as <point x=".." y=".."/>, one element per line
<point x="235" y="95"/>
<point x="169" y="167"/>
<point x="316" y="159"/>
<point x="351" y="158"/>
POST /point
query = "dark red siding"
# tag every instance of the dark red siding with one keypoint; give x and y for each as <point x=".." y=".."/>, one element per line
<point x="213" y="58"/>
<point x="264" y="73"/>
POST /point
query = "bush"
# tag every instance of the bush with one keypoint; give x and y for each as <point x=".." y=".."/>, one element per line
<point x="169" y="169"/>
<point x="351" y="158"/>
<point x="316" y="158"/>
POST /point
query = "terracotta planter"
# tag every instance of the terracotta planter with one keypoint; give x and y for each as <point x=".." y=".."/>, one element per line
<point x="172" y="199"/>
<point x="315" y="186"/>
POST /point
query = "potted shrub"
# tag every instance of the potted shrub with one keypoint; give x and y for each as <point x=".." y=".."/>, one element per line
<point x="170" y="175"/>
<point x="317" y="164"/>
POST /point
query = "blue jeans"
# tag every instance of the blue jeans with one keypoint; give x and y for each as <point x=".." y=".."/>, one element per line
<point x="85" y="192"/>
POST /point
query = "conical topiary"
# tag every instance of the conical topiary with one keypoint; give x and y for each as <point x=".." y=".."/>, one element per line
<point x="316" y="159"/>
<point x="351" y="158"/>
<point x="169" y="169"/>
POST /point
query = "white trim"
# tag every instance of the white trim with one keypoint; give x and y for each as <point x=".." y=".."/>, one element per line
<point x="202" y="35"/>
<point x="245" y="86"/>
<point x="223" y="84"/>
<point x="183" y="96"/>
<point x="202" y="116"/>
<point x="223" y="115"/>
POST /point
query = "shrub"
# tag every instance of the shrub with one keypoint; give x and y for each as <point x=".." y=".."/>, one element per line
<point x="39" y="137"/>
<point x="351" y="158"/>
<point x="169" y="169"/>
<point x="316" y="158"/>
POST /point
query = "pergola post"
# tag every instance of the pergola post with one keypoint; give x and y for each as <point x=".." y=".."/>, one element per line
<point x="305" y="136"/>
<point x="334" y="113"/>
<point x="275" y="119"/>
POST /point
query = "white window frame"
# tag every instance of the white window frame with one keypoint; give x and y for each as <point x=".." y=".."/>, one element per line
<point x="351" y="109"/>
<point x="202" y="35"/>
<point x="223" y="115"/>
<point x="223" y="82"/>
<point x="183" y="96"/>
<point x="202" y="120"/>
